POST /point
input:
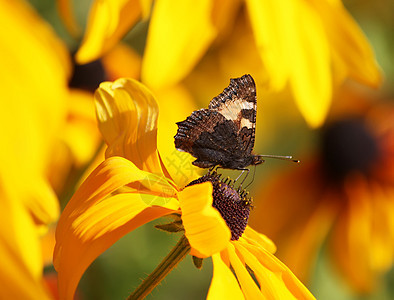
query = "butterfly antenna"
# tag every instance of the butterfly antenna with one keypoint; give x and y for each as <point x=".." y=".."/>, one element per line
<point x="286" y="157"/>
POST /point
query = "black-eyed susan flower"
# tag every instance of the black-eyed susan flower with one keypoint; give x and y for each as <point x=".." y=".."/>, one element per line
<point x="341" y="195"/>
<point x="132" y="187"/>
<point x="33" y="79"/>
<point x="311" y="46"/>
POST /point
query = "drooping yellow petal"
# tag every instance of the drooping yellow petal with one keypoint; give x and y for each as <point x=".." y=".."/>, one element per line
<point x="127" y="114"/>
<point x="112" y="174"/>
<point x="249" y="287"/>
<point x="224" y="285"/>
<point x="281" y="278"/>
<point x="95" y="231"/>
<point x="109" y="21"/>
<point x="272" y="286"/>
<point x="254" y="237"/>
<point x="178" y="37"/>
<point x="205" y="228"/>
<point x="93" y="220"/>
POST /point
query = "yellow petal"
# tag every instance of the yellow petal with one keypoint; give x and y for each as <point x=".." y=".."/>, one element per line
<point x="65" y="9"/>
<point x="34" y="91"/>
<point x="349" y="43"/>
<point x="310" y="74"/>
<point x="108" y="22"/>
<point x="254" y="237"/>
<point x="112" y="174"/>
<point x="178" y="37"/>
<point x="205" y="228"/>
<point x="81" y="134"/>
<point x="122" y="61"/>
<point x="271" y="271"/>
<point x="21" y="263"/>
<point x="224" y="285"/>
<point x="94" y="231"/>
<point x="248" y="286"/>
<point x="127" y="114"/>
<point x="269" y="20"/>
<point x="178" y="164"/>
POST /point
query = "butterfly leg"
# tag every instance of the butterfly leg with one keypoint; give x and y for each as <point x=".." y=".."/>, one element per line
<point x="243" y="171"/>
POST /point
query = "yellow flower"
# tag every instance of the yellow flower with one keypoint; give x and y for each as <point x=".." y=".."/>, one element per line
<point x="132" y="187"/>
<point x="312" y="46"/>
<point x="342" y="193"/>
<point x="34" y="70"/>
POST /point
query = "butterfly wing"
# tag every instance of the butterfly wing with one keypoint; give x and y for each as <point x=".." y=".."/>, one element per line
<point x="208" y="136"/>
<point x="238" y="103"/>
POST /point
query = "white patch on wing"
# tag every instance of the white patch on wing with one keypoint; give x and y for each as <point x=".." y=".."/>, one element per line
<point x="231" y="109"/>
<point x="246" y="123"/>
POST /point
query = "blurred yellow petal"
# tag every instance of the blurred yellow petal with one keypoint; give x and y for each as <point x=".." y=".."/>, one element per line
<point x="224" y="285"/>
<point x="350" y="46"/>
<point x="127" y="114"/>
<point x="310" y="74"/>
<point x="382" y="231"/>
<point x="21" y="264"/>
<point x="146" y="6"/>
<point x="108" y="22"/>
<point x="80" y="133"/>
<point x="178" y="37"/>
<point x="42" y="202"/>
<point x="205" y="228"/>
<point x="360" y="248"/>
<point x="178" y="164"/>
<point x="269" y="20"/>
<point x="65" y="9"/>
<point x="122" y="61"/>
<point x="34" y="91"/>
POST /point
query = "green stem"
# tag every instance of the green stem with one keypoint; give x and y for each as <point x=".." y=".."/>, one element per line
<point x="180" y="250"/>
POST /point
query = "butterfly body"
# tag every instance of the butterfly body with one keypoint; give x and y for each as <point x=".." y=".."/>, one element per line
<point x="224" y="133"/>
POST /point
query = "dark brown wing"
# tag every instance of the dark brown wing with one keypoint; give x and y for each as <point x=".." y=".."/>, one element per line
<point x="238" y="103"/>
<point x="208" y="136"/>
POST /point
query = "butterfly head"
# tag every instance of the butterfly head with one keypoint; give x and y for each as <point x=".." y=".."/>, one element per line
<point x="257" y="159"/>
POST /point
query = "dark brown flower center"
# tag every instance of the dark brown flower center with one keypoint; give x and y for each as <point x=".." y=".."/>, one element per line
<point x="348" y="146"/>
<point x="234" y="205"/>
<point x="88" y="76"/>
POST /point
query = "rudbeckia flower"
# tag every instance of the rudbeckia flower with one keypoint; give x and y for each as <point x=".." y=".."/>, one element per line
<point x="33" y="79"/>
<point x="132" y="186"/>
<point x="310" y="46"/>
<point x="341" y="195"/>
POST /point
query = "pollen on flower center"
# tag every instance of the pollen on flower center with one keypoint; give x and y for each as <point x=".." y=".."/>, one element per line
<point x="233" y="205"/>
<point x="348" y="146"/>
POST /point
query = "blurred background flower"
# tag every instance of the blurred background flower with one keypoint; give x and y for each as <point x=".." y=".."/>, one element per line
<point x="303" y="51"/>
<point x="341" y="196"/>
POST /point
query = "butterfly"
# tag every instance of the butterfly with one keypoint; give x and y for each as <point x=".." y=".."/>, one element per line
<point x="224" y="134"/>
